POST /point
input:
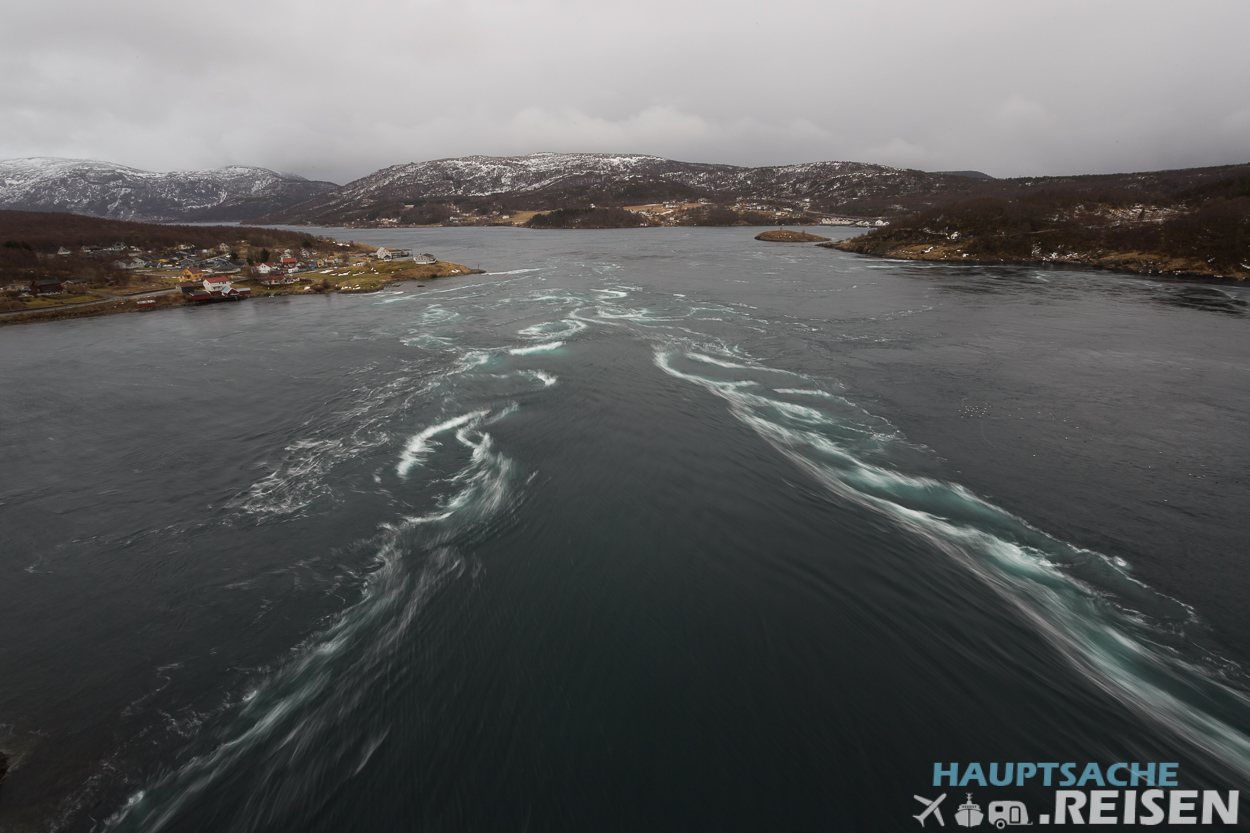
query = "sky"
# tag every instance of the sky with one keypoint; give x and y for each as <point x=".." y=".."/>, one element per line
<point x="332" y="90"/>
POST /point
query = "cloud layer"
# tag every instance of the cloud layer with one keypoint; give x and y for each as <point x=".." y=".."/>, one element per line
<point x="335" y="91"/>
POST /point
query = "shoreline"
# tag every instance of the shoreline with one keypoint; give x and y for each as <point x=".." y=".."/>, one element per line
<point x="1122" y="263"/>
<point x="170" y="299"/>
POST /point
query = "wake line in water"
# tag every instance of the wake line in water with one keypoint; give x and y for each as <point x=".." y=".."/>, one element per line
<point x="308" y="723"/>
<point x="1130" y="656"/>
<point x="312" y="723"/>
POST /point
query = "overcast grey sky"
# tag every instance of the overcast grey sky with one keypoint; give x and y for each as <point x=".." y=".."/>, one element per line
<point x="336" y="90"/>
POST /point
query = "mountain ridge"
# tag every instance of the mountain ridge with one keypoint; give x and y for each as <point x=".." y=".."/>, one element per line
<point x="544" y="181"/>
<point x="104" y="189"/>
<point x="491" y="189"/>
<point x="436" y="191"/>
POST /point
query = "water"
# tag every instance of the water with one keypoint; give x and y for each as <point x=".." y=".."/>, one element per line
<point x="661" y="529"/>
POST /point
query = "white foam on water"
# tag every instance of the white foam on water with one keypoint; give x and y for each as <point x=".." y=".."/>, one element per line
<point x="506" y="411"/>
<point x="537" y="348"/>
<point x="422" y="443"/>
<point x="563" y="328"/>
<point x="301" y="473"/>
<point x="429" y="341"/>
<point x="436" y="314"/>
<point x="541" y="376"/>
<point x="1123" y="649"/>
<point x="803" y="392"/>
<point x="472" y="359"/>
<point x="706" y="359"/>
<point x="289" y="723"/>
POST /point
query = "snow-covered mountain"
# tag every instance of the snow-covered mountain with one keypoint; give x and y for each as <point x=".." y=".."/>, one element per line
<point x="476" y="176"/>
<point x="551" y="179"/>
<point x="102" y="189"/>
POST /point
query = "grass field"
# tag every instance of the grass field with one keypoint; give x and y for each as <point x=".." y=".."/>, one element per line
<point x="370" y="277"/>
<point x="47" y="301"/>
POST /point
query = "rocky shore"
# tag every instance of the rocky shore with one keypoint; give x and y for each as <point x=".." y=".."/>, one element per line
<point x="1203" y="236"/>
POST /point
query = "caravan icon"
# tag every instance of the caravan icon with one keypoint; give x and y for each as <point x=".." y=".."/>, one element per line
<point x="1003" y="813"/>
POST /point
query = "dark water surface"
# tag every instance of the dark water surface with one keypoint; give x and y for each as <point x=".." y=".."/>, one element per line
<point x="667" y="529"/>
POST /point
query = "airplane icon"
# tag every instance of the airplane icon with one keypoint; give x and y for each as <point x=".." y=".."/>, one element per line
<point x="930" y="807"/>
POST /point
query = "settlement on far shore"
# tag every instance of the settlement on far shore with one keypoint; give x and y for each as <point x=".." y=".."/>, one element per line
<point x="148" y="279"/>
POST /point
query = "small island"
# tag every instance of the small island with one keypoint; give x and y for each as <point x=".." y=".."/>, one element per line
<point x="783" y="235"/>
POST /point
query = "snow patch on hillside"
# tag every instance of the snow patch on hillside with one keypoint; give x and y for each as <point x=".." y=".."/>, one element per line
<point x="104" y="189"/>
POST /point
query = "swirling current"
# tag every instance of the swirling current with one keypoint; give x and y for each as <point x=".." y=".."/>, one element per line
<point x="663" y="530"/>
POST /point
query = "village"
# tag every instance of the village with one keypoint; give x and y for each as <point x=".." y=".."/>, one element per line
<point x="749" y="213"/>
<point x="117" y="277"/>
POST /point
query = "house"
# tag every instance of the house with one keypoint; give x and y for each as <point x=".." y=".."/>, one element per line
<point x="392" y="254"/>
<point x="74" y="285"/>
<point x="46" y="286"/>
<point x="216" y="283"/>
<point x="425" y="259"/>
<point x="62" y="251"/>
<point x="264" y="268"/>
<point x="192" y="273"/>
<point x="289" y="262"/>
<point x="221" y="265"/>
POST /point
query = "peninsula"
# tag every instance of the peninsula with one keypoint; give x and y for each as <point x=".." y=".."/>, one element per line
<point x="56" y="265"/>
<point x="1178" y="228"/>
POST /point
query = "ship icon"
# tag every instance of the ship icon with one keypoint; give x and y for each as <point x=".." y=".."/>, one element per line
<point x="969" y="814"/>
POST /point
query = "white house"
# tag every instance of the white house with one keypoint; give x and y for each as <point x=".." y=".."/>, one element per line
<point x="392" y="254"/>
